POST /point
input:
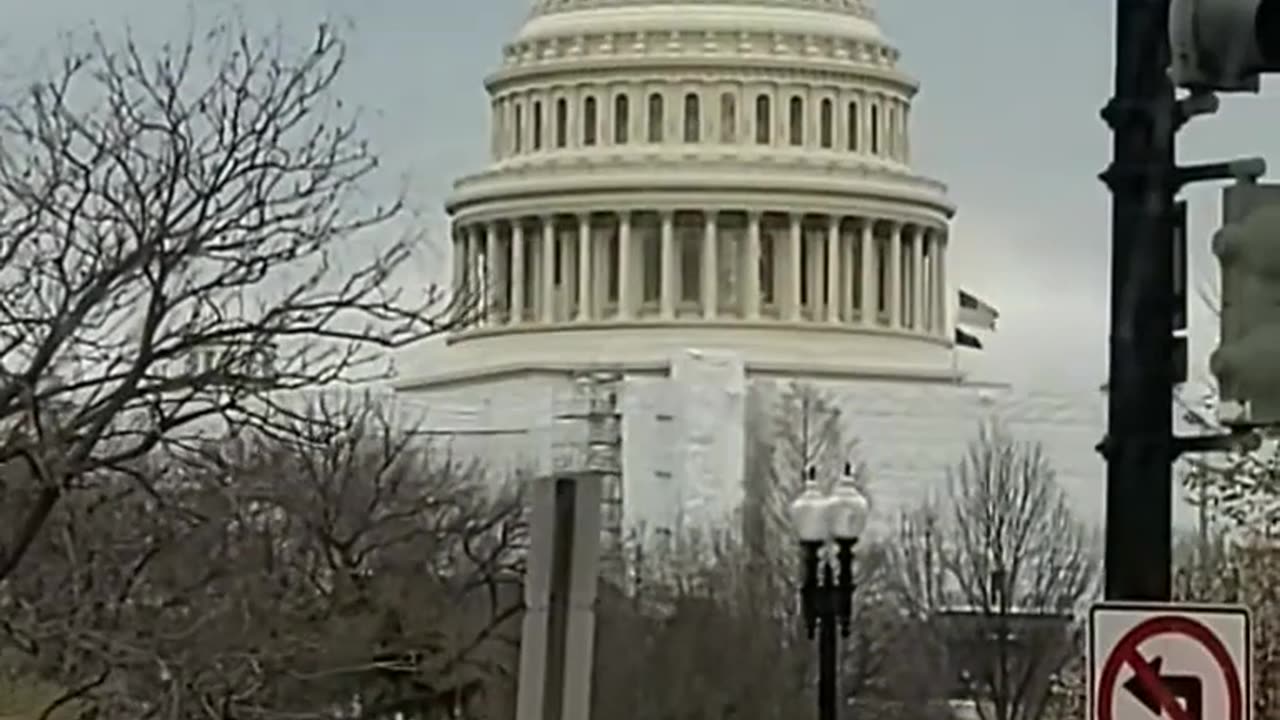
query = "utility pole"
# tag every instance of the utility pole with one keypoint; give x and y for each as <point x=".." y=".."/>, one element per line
<point x="1139" y="447"/>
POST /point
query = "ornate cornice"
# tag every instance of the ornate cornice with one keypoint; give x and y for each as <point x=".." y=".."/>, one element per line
<point x="857" y="8"/>
<point x="647" y="181"/>
<point x="680" y="71"/>
<point x="774" y="48"/>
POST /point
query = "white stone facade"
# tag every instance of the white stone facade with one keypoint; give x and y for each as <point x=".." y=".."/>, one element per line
<point x="727" y="176"/>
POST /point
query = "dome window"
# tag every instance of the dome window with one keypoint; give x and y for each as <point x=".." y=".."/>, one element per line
<point x="518" y="129"/>
<point x="621" y="119"/>
<point x="796" y="117"/>
<point x="825" y="121"/>
<point x="692" y="118"/>
<point x="562" y="123"/>
<point x="590" y="120"/>
<point x="537" y="125"/>
<point x="728" y="118"/>
<point x="854" y="126"/>
<point x="763" y="126"/>
<point x="875" y="130"/>
<point x="656" y="113"/>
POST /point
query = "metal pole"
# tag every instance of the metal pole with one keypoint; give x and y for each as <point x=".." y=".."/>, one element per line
<point x="827" y="645"/>
<point x="1139" y="442"/>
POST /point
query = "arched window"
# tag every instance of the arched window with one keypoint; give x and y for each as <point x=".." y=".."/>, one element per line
<point x="562" y="123"/>
<point x="826" y="131"/>
<point x="796" y="120"/>
<point x="518" y="143"/>
<point x="656" y="117"/>
<point x="728" y="118"/>
<point x="875" y="129"/>
<point x="590" y="122"/>
<point x="537" y="125"/>
<point x="692" y="118"/>
<point x="854" y="126"/>
<point x="763" y="116"/>
<point x="621" y="119"/>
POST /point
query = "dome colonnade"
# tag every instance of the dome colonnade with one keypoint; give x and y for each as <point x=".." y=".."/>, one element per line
<point x="674" y="264"/>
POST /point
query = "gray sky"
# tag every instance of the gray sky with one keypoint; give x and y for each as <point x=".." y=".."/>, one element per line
<point x="1008" y="116"/>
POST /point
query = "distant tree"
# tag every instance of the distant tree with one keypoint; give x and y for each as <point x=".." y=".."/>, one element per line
<point x="182" y="233"/>
<point x="1000" y="568"/>
<point x="345" y="563"/>
<point x="711" y="628"/>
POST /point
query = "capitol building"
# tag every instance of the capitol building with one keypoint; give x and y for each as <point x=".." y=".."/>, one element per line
<point x="689" y="206"/>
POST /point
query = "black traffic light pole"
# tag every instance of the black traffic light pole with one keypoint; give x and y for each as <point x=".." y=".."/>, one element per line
<point x="1139" y="446"/>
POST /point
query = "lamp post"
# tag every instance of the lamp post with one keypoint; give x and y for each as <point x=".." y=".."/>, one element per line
<point x="826" y="523"/>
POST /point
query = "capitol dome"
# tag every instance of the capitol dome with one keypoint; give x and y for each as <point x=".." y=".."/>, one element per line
<point x="727" y="174"/>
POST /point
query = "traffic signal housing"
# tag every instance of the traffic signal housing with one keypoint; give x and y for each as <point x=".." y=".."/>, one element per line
<point x="1223" y="45"/>
<point x="1247" y="361"/>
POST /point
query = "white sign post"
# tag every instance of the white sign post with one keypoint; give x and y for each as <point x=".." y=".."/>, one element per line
<point x="1149" y="661"/>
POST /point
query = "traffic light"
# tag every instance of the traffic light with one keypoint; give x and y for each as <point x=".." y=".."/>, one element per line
<point x="1223" y="45"/>
<point x="1247" y="361"/>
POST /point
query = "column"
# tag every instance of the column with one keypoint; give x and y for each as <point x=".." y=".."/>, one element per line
<point x="459" y="270"/>
<point x="516" y="302"/>
<point x="870" y="274"/>
<point x="667" y="265"/>
<point x="917" y="279"/>
<point x="475" y="305"/>
<point x="491" y="274"/>
<point x="942" y="295"/>
<point x="751" y="269"/>
<point x="547" y="302"/>
<point x="625" y="311"/>
<point x="791" y="300"/>
<point x="895" y="275"/>
<point x="710" y="276"/>
<point x="850" y="262"/>
<point x="833" y="269"/>
<point x="584" y="268"/>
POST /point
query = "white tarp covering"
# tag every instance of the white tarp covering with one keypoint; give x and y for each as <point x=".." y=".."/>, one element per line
<point x="682" y="436"/>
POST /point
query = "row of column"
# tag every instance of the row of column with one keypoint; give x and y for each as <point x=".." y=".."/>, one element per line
<point x="676" y="264"/>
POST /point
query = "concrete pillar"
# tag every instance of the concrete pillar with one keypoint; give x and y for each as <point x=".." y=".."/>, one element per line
<point x="667" y="266"/>
<point x="491" y="274"/>
<point x="942" y="293"/>
<point x="625" y="291"/>
<point x="558" y="634"/>
<point x="917" y="279"/>
<point x="870" y="274"/>
<point x="751" y="269"/>
<point x="710" y="278"/>
<point x="895" y="276"/>
<point x="791" y="301"/>
<point x="833" y="294"/>
<point x="584" y="269"/>
<point x="516" y="302"/>
<point x="547" y="300"/>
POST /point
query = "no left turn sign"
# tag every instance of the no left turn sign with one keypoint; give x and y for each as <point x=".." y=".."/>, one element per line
<point x="1160" y="660"/>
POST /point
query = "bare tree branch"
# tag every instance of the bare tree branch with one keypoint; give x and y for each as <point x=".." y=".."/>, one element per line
<point x="1001" y="568"/>
<point x="182" y="234"/>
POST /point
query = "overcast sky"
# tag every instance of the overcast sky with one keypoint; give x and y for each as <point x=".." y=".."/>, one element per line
<point x="1007" y="116"/>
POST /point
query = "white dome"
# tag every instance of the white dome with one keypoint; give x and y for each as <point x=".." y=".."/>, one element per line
<point x="724" y="174"/>
<point x="845" y="18"/>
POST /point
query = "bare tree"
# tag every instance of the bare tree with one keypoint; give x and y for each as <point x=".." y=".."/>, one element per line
<point x="181" y="234"/>
<point x="347" y="569"/>
<point x="1000" y="568"/>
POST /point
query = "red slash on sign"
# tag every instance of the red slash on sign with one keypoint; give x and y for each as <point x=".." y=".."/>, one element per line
<point x="1162" y="692"/>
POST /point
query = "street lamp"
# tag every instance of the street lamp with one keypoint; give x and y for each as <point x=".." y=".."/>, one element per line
<point x="826" y="596"/>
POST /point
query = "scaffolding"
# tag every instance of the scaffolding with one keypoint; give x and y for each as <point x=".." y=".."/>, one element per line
<point x="588" y="439"/>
